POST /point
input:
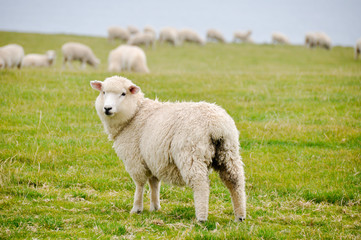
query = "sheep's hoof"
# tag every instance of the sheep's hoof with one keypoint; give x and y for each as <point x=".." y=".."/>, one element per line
<point x="154" y="208"/>
<point x="136" y="210"/>
<point x="240" y="219"/>
<point x="202" y="220"/>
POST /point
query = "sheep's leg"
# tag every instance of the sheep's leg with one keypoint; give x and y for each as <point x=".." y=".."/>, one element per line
<point x="232" y="176"/>
<point x="138" y="198"/>
<point x="154" y="184"/>
<point x="83" y="64"/>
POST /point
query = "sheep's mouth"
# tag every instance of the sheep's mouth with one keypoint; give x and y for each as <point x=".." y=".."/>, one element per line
<point x="108" y="113"/>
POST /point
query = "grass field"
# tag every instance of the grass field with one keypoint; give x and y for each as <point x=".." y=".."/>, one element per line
<point x="299" y="116"/>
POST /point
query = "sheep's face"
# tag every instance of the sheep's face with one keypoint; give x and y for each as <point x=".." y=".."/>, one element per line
<point x="116" y="97"/>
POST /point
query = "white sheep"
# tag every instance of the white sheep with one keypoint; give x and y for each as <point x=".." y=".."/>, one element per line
<point x="11" y="55"/>
<point x="311" y="40"/>
<point x="129" y="58"/>
<point x="215" y="35"/>
<point x="146" y="38"/>
<point x="242" y="36"/>
<point x="188" y="35"/>
<point x="149" y="29"/>
<point x="169" y="34"/>
<point x="39" y="60"/>
<point x="132" y="29"/>
<point x="358" y="48"/>
<point x="178" y="143"/>
<point x="323" y="40"/>
<point x="118" y="33"/>
<point x="73" y="51"/>
<point x="280" y="38"/>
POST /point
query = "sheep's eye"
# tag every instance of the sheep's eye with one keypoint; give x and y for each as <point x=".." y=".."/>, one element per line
<point x="123" y="94"/>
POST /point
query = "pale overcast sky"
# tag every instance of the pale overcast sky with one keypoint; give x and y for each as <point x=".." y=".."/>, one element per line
<point x="340" y="19"/>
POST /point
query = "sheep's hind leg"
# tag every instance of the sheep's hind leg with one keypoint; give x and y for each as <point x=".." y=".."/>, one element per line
<point x="154" y="184"/>
<point x="138" y="198"/>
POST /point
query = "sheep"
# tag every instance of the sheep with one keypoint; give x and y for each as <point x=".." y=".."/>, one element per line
<point x="132" y="29"/>
<point x="146" y="38"/>
<point x="280" y="38"/>
<point x="118" y="33"/>
<point x="243" y="37"/>
<point x="130" y="58"/>
<point x="169" y="34"/>
<point x="323" y="40"/>
<point x="149" y="29"/>
<point x="215" y="35"/>
<point x="76" y="51"/>
<point x="11" y="55"/>
<point x="189" y="35"/>
<point x="310" y="40"/>
<point x="358" y="48"/>
<point x="178" y="143"/>
<point x="39" y="60"/>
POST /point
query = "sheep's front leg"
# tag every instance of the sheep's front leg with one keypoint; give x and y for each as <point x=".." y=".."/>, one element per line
<point x="138" y="198"/>
<point x="154" y="184"/>
<point x="83" y="65"/>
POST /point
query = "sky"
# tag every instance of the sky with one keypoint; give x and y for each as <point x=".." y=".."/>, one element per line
<point x="340" y="19"/>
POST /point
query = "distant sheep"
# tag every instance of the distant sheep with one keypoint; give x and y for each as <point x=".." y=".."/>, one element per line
<point x="11" y="56"/>
<point x="177" y="143"/>
<point x="128" y="58"/>
<point x="39" y="60"/>
<point x="188" y="35"/>
<point x="73" y="51"/>
<point x="323" y="40"/>
<point x="358" y="48"/>
<point x="279" y="38"/>
<point x="118" y="33"/>
<point x="169" y="34"/>
<point x="243" y="37"/>
<point x="149" y="29"/>
<point x="310" y="40"/>
<point x="132" y="29"/>
<point x="215" y="35"/>
<point x="145" y="38"/>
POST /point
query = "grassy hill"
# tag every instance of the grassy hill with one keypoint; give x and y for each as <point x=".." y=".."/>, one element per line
<point x="299" y="116"/>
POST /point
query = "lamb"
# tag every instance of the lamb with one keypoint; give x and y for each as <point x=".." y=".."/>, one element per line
<point x="169" y="34"/>
<point x="76" y="51"/>
<point x="39" y="60"/>
<point x="280" y="38"/>
<point x="11" y="55"/>
<point x="243" y="37"/>
<point x="215" y="35"/>
<point x="130" y="58"/>
<point x="178" y="143"/>
<point x="145" y="38"/>
<point x="358" y="48"/>
<point x="189" y="35"/>
<point x="118" y="33"/>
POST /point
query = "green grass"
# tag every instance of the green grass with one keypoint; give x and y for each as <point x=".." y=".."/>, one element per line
<point x="299" y="116"/>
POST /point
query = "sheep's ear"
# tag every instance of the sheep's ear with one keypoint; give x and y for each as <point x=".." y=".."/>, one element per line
<point x="134" y="89"/>
<point x="97" y="85"/>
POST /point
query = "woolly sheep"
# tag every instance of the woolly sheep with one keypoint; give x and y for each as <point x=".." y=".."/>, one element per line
<point x="73" y="51"/>
<point x="189" y="35"/>
<point x="39" y="60"/>
<point x="11" y="55"/>
<point x="149" y="29"/>
<point x="243" y="37"/>
<point x="132" y="29"/>
<point x="177" y="143"/>
<point x="310" y="40"/>
<point x="358" y="48"/>
<point x="323" y="40"/>
<point x="118" y="33"/>
<point x="145" y="38"/>
<point x="280" y="38"/>
<point x="130" y="58"/>
<point x="215" y="35"/>
<point x="169" y="34"/>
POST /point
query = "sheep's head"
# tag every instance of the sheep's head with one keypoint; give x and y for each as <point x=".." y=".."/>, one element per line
<point x="118" y="96"/>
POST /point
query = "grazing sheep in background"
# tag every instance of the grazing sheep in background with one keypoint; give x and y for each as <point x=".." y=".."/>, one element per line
<point x="149" y="29"/>
<point x="11" y="55"/>
<point x="188" y="35"/>
<point x="280" y="38"/>
<point x="177" y="143"/>
<point x="73" y="51"/>
<point x="242" y="37"/>
<point x="310" y="40"/>
<point x="169" y="34"/>
<point x="118" y="33"/>
<point x="129" y="58"/>
<point x="145" y="38"/>
<point x="39" y="60"/>
<point x="215" y="35"/>
<point x="323" y="40"/>
<point x="132" y="29"/>
<point x="358" y="48"/>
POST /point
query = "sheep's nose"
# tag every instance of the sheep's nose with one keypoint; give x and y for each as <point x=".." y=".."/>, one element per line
<point x="107" y="110"/>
